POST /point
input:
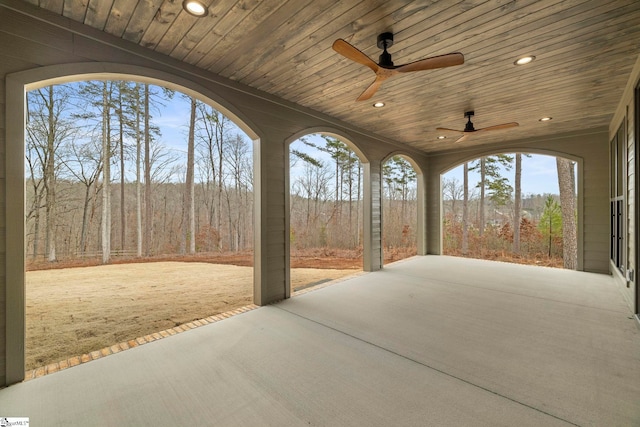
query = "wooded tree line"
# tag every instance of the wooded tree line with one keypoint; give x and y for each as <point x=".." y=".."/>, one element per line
<point x="494" y="217"/>
<point x="101" y="179"/>
<point x="327" y="191"/>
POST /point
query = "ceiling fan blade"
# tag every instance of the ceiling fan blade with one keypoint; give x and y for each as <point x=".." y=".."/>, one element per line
<point x="434" y="62"/>
<point x="462" y="138"/>
<point x="350" y="52"/>
<point x="450" y="130"/>
<point x="497" y="127"/>
<point x="371" y="90"/>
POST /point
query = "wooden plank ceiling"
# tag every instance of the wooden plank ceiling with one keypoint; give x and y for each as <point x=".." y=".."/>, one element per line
<point x="584" y="53"/>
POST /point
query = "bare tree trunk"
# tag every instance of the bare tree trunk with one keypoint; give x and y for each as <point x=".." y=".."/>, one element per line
<point x="123" y="218"/>
<point x="237" y="178"/>
<point x="220" y="147"/>
<point x="138" y="182"/>
<point x="36" y="234"/>
<point x="482" y="185"/>
<point x="517" y="204"/>
<point x="189" y="205"/>
<point x="350" y="189"/>
<point x="37" y="202"/>
<point x="231" y="230"/>
<point x="465" y="212"/>
<point x="50" y="184"/>
<point x="92" y="215"/>
<point x="148" y="217"/>
<point x="212" y="208"/>
<point x="106" y="177"/>
<point x="85" y="218"/>
<point x="358" y="205"/>
<point x="239" y="210"/>
<point x="566" y="182"/>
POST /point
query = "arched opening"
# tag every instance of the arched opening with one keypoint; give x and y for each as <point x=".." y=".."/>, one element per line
<point x="184" y="168"/>
<point x="514" y="207"/>
<point x="326" y="194"/>
<point x="401" y="212"/>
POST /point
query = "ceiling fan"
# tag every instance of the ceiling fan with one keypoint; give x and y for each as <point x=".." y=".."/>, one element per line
<point x="470" y="129"/>
<point x="385" y="68"/>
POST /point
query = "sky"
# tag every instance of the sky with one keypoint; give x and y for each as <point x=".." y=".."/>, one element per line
<point x="297" y="167"/>
<point x="539" y="174"/>
<point x="173" y="120"/>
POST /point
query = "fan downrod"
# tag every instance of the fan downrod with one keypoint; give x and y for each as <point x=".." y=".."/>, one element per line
<point x="385" y="40"/>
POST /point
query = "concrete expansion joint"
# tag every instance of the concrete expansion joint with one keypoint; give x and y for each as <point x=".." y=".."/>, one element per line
<point x="329" y="283"/>
<point x="315" y="287"/>
<point x="423" y="364"/>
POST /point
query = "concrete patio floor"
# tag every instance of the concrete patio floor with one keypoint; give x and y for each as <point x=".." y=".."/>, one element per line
<point x="428" y="341"/>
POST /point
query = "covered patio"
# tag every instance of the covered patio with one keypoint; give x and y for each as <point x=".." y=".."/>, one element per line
<point x="432" y="340"/>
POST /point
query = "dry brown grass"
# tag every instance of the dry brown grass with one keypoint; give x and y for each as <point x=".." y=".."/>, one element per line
<point x="73" y="311"/>
<point x="330" y="258"/>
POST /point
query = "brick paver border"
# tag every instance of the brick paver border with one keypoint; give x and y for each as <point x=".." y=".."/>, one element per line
<point x="125" y="345"/>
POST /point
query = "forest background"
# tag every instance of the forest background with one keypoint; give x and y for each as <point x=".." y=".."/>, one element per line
<point x="112" y="170"/>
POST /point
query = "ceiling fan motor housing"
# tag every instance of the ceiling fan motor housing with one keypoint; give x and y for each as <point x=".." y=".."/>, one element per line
<point x="469" y="126"/>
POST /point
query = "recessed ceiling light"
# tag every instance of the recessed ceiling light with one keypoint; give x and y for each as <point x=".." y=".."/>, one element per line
<point x="441" y="137"/>
<point x="546" y="119"/>
<point x="378" y="104"/>
<point x="195" y="8"/>
<point x="524" y="60"/>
